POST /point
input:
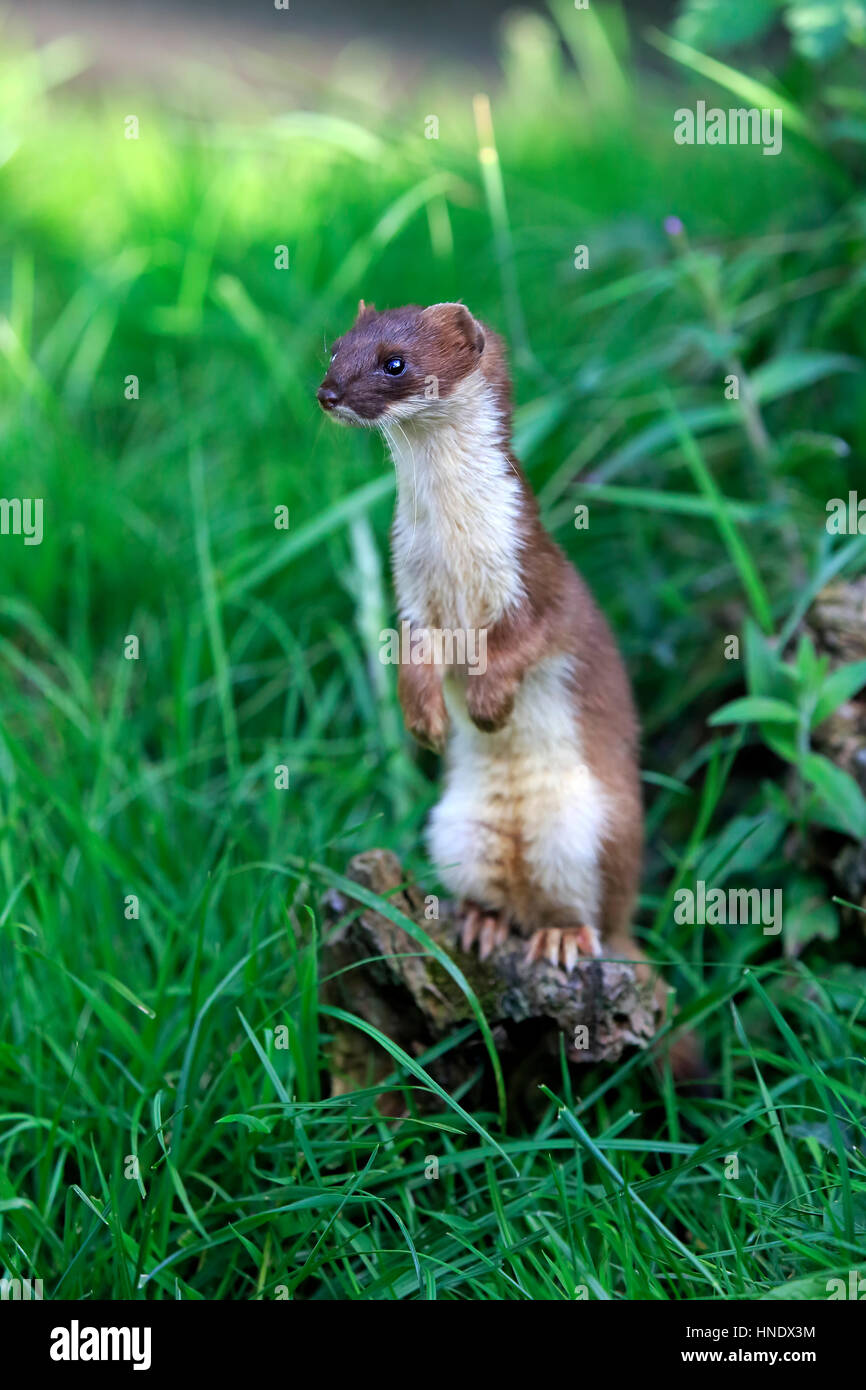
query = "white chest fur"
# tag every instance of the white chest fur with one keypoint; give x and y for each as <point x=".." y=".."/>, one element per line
<point x="457" y="535"/>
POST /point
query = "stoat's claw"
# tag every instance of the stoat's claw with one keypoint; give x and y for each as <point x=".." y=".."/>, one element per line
<point x="494" y="932"/>
<point x="470" y="928"/>
<point x="487" y="937"/>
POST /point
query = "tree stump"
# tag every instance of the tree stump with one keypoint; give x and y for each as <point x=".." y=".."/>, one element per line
<point x="378" y="972"/>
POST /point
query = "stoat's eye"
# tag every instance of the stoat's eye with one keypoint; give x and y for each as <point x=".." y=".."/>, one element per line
<point x="394" y="366"/>
<point x="333" y="355"/>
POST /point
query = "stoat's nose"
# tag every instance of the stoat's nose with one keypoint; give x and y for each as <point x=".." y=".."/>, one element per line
<point x="328" y="396"/>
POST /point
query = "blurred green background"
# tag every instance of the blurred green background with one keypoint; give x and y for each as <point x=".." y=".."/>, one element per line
<point x="155" y="1142"/>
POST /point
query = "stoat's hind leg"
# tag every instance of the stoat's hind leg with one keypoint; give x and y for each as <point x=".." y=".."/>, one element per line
<point x="563" y="946"/>
<point x="489" y="929"/>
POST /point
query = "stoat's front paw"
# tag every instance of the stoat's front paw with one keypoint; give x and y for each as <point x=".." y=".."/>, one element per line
<point x="563" y="946"/>
<point x="489" y="702"/>
<point x="423" y="707"/>
<point x="431" y="731"/>
<point x="430" y="726"/>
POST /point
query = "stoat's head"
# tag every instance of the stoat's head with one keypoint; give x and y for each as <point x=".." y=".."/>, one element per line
<point x="401" y="364"/>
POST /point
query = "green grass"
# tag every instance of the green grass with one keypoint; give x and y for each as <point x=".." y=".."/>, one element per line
<point x="151" y="1037"/>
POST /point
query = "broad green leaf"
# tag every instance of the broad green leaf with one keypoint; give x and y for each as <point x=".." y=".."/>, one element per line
<point x="839" y="687"/>
<point x="753" y="709"/>
<point x="839" y="791"/>
<point x="762" y="663"/>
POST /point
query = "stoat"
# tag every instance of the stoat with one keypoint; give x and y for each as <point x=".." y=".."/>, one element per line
<point x="539" y="828"/>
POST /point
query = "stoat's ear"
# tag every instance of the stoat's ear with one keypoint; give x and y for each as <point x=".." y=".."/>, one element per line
<point x="459" y="320"/>
<point x="365" y="311"/>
